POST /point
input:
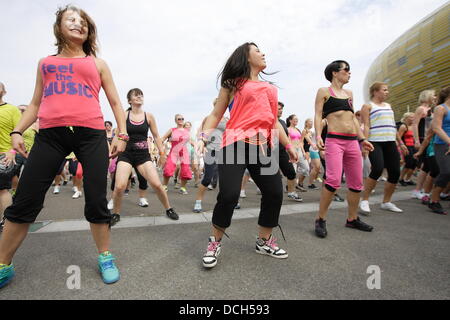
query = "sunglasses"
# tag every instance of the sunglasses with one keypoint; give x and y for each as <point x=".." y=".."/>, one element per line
<point x="347" y="69"/>
<point x="180" y="119"/>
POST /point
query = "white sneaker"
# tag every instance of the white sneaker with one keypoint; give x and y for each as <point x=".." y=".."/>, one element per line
<point x="74" y="189"/>
<point x="111" y="204"/>
<point x="77" y="195"/>
<point x="389" y="206"/>
<point x="243" y="195"/>
<point x="364" y="207"/>
<point x="294" y="196"/>
<point x="143" y="202"/>
<point x="56" y="190"/>
<point x="212" y="253"/>
<point x="270" y="247"/>
<point x="210" y="187"/>
<point x="417" y="194"/>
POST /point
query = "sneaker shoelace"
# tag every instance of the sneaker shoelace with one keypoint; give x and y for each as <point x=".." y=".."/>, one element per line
<point x="108" y="264"/>
<point x="212" y="248"/>
<point x="272" y="243"/>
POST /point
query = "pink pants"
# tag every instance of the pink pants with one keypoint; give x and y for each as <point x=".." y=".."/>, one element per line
<point x="181" y="155"/>
<point x="341" y="154"/>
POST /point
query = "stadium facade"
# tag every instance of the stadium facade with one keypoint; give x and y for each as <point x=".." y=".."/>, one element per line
<point x="416" y="61"/>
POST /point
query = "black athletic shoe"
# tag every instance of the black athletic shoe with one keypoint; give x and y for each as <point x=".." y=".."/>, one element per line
<point x="115" y="218"/>
<point x="338" y="198"/>
<point x="446" y="198"/>
<point x="410" y="183"/>
<point x="172" y="214"/>
<point x="64" y="183"/>
<point x="313" y="187"/>
<point x="436" y="208"/>
<point x="321" y="228"/>
<point x="403" y="183"/>
<point x="358" y="224"/>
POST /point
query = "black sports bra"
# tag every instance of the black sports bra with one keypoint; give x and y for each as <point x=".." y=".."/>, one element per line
<point x="334" y="104"/>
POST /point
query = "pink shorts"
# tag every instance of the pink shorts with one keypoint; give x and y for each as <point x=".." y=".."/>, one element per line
<point x="181" y="156"/>
<point x="343" y="155"/>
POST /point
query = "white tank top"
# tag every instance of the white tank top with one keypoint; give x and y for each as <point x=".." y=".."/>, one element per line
<point x="382" y="123"/>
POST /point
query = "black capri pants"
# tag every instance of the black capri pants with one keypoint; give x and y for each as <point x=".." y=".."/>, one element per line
<point x="286" y="167"/>
<point x="385" y="155"/>
<point x="443" y="162"/>
<point x="50" y="148"/>
<point x="143" y="185"/>
<point x="430" y="166"/>
<point x="233" y="160"/>
<point x="410" y="161"/>
<point x="210" y="168"/>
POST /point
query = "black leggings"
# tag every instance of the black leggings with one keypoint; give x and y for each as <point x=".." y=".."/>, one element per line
<point x="266" y="177"/>
<point x="385" y="155"/>
<point x="50" y="148"/>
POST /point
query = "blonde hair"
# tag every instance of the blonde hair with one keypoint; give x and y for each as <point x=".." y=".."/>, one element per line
<point x="406" y="115"/>
<point x="426" y="95"/>
<point x="375" y="87"/>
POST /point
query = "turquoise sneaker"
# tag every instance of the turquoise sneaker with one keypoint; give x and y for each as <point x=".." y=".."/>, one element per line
<point x="6" y="274"/>
<point x="107" y="267"/>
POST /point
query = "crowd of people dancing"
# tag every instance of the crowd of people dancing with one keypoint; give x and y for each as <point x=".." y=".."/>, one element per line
<point x="61" y="135"/>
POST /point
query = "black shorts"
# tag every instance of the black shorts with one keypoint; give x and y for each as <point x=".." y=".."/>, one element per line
<point x="135" y="157"/>
<point x="6" y="182"/>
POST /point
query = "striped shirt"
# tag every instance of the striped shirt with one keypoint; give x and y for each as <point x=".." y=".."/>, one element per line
<point x="382" y="123"/>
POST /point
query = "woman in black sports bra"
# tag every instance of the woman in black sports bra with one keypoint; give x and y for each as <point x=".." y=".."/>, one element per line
<point x="342" y="151"/>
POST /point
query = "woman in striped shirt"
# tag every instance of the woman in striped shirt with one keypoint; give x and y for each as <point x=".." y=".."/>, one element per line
<point x="379" y="125"/>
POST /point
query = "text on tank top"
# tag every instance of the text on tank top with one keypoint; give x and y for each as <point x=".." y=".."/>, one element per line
<point x="70" y="94"/>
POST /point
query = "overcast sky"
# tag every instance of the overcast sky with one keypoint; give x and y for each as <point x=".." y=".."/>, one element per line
<point x="174" y="50"/>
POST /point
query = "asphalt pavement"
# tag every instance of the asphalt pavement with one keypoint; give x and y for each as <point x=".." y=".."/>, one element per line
<point x="160" y="259"/>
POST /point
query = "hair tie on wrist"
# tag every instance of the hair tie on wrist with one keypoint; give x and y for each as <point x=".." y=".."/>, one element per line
<point x="15" y="132"/>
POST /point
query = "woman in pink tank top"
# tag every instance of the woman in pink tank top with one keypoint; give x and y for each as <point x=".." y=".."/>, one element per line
<point x="67" y="104"/>
<point x="247" y="142"/>
<point x="179" y="137"/>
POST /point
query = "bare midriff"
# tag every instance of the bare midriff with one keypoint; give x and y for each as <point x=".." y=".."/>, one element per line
<point x="341" y="122"/>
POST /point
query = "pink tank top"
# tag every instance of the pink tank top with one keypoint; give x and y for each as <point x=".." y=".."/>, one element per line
<point x="71" y="93"/>
<point x="254" y="112"/>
